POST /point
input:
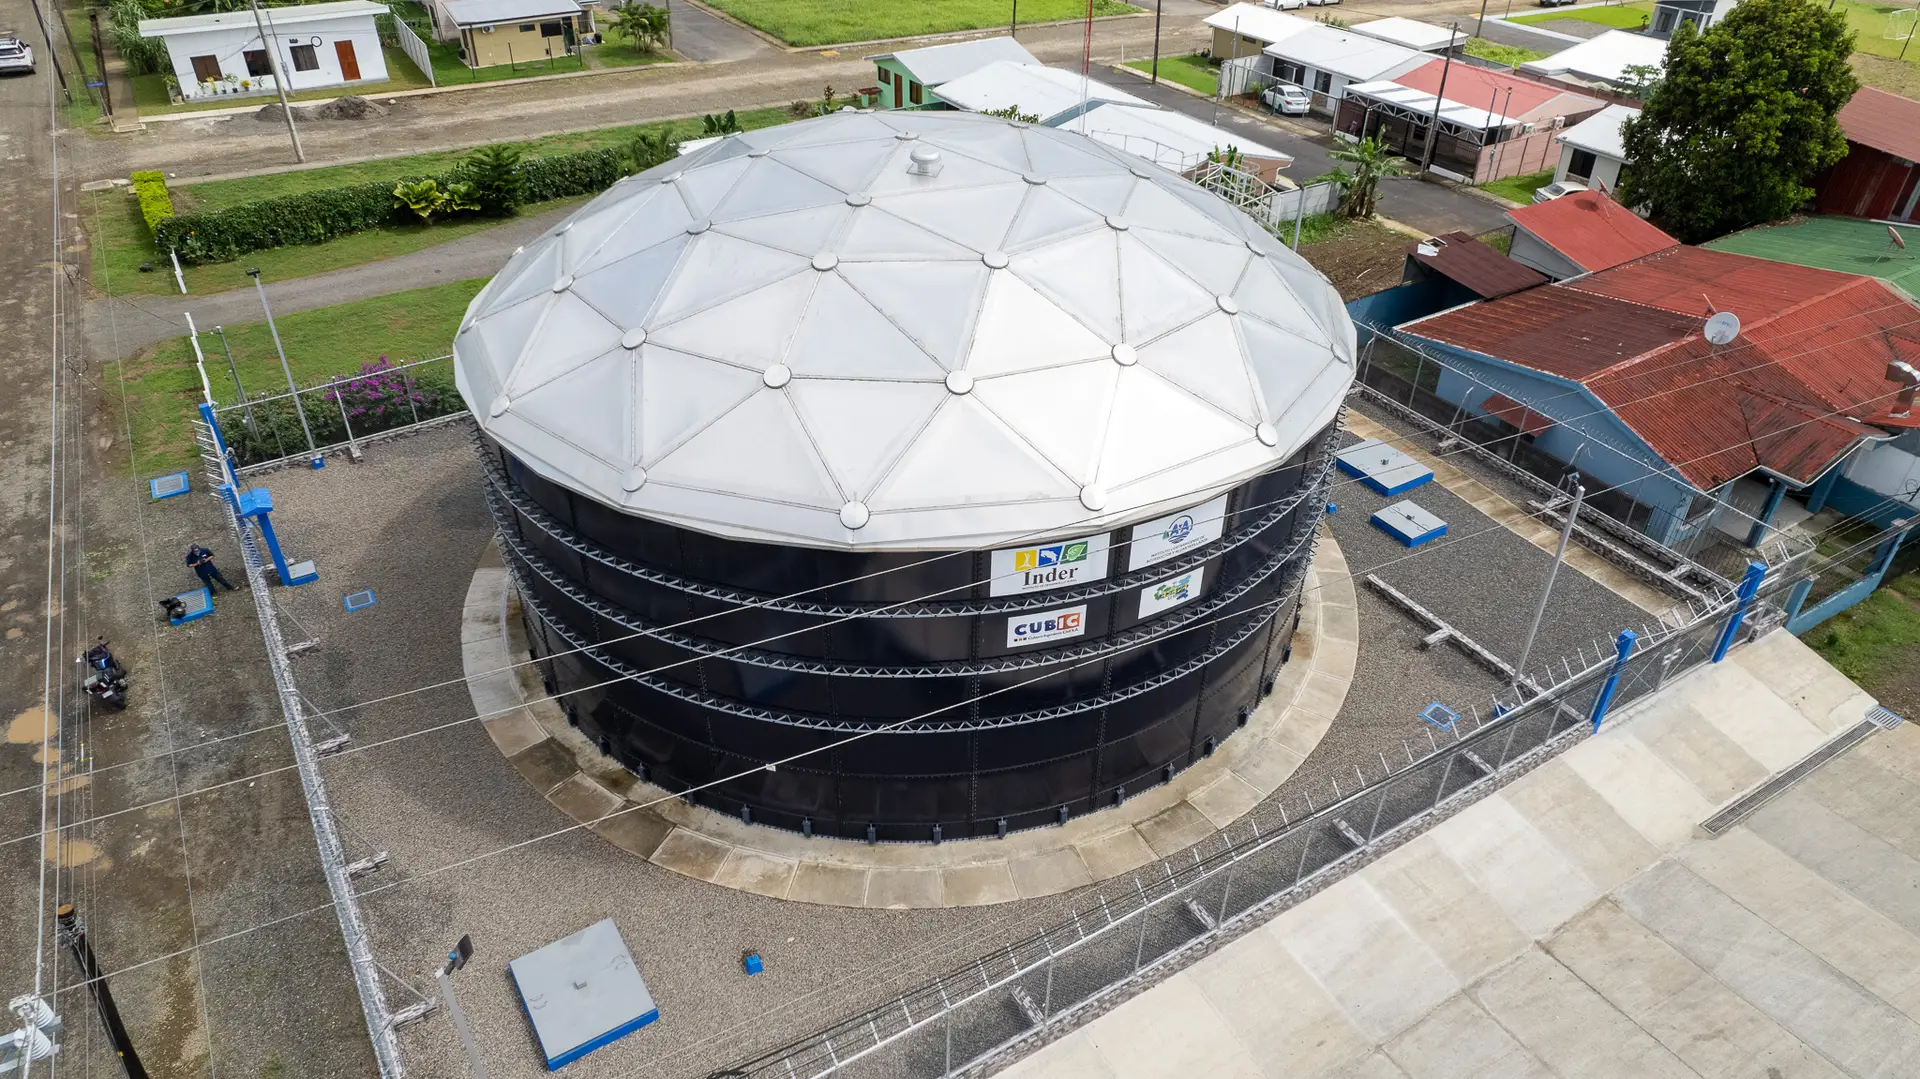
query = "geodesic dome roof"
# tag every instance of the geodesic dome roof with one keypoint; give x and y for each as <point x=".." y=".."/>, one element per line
<point x="904" y="330"/>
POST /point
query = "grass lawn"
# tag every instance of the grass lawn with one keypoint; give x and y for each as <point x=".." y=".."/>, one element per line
<point x="150" y="91"/>
<point x="121" y="242"/>
<point x="1519" y="188"/>
<point x="163" y="390"/>
<point x="1874" y="643"/>
<point x="1194" y="72"/>
<point x="84" y="110"/>
<point x="1504" y="55"/>
<point x="1621" y="16"/>
<point x="830" y="22"/>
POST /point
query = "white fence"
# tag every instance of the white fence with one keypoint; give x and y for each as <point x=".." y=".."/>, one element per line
<point x="1244" y="75"/>
<point x="415" y="48"/>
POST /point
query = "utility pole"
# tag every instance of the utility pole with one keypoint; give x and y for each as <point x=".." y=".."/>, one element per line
<point x="456" y="959"/>
<point x="1014" y="23"/>
<point x="75" y="935"/>
<point x="235" y="372"/>
<point x="1479" y="28"/>
<point x="53" y="53"/>
<point x="272" y="45"/>
<point x="316" y="461"/>
<point x="1546" y="590"/>
<point x="1156" y="41"/>
<point x="1433" y="129"/>
<point x="100" y="61"/>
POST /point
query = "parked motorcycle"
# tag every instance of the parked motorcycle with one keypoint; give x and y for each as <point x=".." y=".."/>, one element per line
<point x="106" y="681"/>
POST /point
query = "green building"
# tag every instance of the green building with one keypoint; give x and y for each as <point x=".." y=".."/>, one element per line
<point x="910" y="79"/>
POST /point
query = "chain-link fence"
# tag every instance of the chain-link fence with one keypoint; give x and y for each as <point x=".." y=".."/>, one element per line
<point x="380" y="400"/>
<point x="971" y="1019"/>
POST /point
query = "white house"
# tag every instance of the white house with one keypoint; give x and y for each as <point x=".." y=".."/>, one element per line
<point x="1325" y="60"/>
<point x="1245" y="29"/>
<point x="1423" y="36"/>
<point x="1602" y="60"/>
<point x="319" y="45"/>
<point x="1591" y="152"/>
<point x="1046" y="92"/>
<point x="1669" y="14"/>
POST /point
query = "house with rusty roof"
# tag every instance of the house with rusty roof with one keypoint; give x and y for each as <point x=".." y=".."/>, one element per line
<point x="1581" y="233"/>
<point x="1880" y="176"/>
<point x="1610" y="373"/>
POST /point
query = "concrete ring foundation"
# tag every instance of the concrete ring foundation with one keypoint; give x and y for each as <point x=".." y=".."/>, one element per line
<point x="644" y="820"/>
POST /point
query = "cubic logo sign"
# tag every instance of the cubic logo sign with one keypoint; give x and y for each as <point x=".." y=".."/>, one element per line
<point x="1039" y="627"/>
<point x="1172" y="592"/>
<point x="1048" y="565"/>
<point x="1153" y="542"/>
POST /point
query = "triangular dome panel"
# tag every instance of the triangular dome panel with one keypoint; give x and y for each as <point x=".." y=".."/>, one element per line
<point x="760" y="449"/>
<point x="625" y="292"/>
<point x="1021" y="330"/>
<point x="753" y="329"/>
<point x="900" y="293"/>
<point x="681" y="394"/>
<point x="591" y="410"/>
<point x="1145" y="402"/>
<point x="842" y="336"/>
<point x="862" y="427"/>
<point x="967" y="457"/>
<point x="974" y="217"/>
<point x="1060" y="411"/>
<point x="1205" y="359"/>
<point x="1082" y="275"/>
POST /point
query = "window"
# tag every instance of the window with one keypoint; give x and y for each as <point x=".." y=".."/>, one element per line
<point x="914" y="93"/>
<point x="257" y="62"/>
<point x="526" y="28"/>
<point x="1580" y="165"/>
<point x="552" y="29"/>
<point x="206" y="69"/>
<point x="1323" y="82"/>
<point x="1663" y="20"/>
<point x="304" y="58"/>
<point x="884" y="77"/>
<point x="1290" y="72"/>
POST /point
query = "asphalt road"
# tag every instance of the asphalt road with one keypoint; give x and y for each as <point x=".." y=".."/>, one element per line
<point x="699" y="34"/>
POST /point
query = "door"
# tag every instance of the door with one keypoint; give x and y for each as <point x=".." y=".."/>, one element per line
<point x="349" y="64"/>
<point x="206" y="69"/>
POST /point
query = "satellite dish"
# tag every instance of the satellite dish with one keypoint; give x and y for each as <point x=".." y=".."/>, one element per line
<point x="1722" y="328"/>
<point x="1898" y="240"/>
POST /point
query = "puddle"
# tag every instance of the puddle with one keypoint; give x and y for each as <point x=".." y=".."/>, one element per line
<point x="28" y="728"/>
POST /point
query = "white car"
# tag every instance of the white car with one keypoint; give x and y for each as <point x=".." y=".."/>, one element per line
<point x="1286" y="5"/>
<point x="1554" y="191"/>
<point x="1287" y="99"/>
<point x="15" y="55"/>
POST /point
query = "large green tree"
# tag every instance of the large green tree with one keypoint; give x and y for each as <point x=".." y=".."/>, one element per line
<point x="1742" y="119"/>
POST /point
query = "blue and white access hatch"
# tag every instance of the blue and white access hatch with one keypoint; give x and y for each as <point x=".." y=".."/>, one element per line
<point x="582" y="992"/>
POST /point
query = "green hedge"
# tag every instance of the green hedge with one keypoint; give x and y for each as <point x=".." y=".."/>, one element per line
<point x="318" y="216"/>
<point x="150" y="187"/>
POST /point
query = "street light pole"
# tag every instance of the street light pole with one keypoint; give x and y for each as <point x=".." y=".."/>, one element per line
<point x="1156" y="42"/>
<point x="1546" y="590"/>
<point x="252" y="424"/>
<point x="456" y="959"/>
<point x="316" y="461"/>
<point x="279" y="80"/>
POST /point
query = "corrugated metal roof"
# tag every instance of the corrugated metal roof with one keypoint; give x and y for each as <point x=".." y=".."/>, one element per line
<point x="1354" y="57"/>
<point x="493" y="12"/>
<point x="1591" y="229"/>
<point x="1459" y="257"/>
<point x="1516" y="414"/>
<point x="1498" y="92"/>
<point x="936" y="64"/>
<point x="1258" y="22"/>
<point x="1789" y="395"/>
<point x="1887" y="122"/>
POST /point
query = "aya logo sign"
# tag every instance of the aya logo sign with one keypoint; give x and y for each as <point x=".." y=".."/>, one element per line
<point x="1153" y="542"/>
<point x="1040" y="627"/>
<point x="1048" y="565"/>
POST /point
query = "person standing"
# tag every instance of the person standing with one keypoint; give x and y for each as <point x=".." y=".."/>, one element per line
<point x="200" y="560"/>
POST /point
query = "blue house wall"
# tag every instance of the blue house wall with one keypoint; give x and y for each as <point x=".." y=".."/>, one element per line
<point x="1586" y="435"/>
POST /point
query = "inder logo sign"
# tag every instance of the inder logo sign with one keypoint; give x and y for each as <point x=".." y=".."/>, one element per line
<point x="1043" y="626"/>
<point x="1048" y="565"/>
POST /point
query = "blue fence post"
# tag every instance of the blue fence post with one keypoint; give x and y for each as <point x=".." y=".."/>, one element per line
<point x="1623" y="647"/>
<point x="1797" y="598"/>
<point x="1749" y="587"/>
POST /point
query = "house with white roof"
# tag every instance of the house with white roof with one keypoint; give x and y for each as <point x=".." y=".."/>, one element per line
<point x="493" y="32"/>
<point x="1325" y="60"/>
<point x="1592" y="152"/>
<point x="1603" y="61"/>
<point x="1172" y="140"/>
<point x="1247" y="29"/>
<point x="1048" y="93"/>
<point x="906" y="78"/>
<point x="1423" y="36"/>
<point x="318" y="45"/>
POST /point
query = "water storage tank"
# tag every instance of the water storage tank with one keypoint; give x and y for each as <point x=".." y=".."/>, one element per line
<point x="965" y="468"/>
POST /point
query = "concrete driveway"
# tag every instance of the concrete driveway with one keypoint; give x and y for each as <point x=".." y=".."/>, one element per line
<point x="699" y="34"/>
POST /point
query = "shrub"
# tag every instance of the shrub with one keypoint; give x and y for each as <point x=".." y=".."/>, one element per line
<point x="380" y="398"/>
<point x="421" y="197"/>
<point x="499" y="184"/>
<point x="651" y="148"/>
<point x="328" y="214"/>
<point x="150" y="187"/>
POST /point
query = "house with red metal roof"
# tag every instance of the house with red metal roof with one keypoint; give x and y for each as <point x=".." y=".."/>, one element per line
<point x="1610" y="373"/>
<point x="1581" y="233"/>
<point x="1880" y="176"/>
<point x="1492" y="124"/>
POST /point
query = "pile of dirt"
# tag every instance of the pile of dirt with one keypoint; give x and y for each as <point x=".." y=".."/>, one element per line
<point x="340" y="108"/>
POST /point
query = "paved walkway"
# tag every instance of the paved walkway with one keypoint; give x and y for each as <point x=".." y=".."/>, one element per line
<point x="1577" y="924"/>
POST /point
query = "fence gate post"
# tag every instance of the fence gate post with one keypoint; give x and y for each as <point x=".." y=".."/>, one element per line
<point x="1623" y="646"/>
<point x="1749" y="587"/>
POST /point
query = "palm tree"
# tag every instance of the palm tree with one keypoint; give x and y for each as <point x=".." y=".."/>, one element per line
<point x="644" y="24"/>
<point x="1372" y="161"/>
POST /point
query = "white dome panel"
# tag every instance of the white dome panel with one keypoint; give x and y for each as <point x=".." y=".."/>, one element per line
<point x="763" y="341"/>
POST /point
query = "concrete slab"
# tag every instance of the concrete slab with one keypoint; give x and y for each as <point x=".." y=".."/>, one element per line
<point x="1876" y="797"/>
<point x="1508" y="859"/>
<point x="1817" y="914"/>
<point x="1702" y="1022"/>
<point x="1176" y="1032"/>
<point x="1072" y="1057"/>
<point x="1372" y="1066"/>
<point x="639" y="832"/>
<point x="1702" y="752"/>
<point x="1459" y="1040"/>
<point x="544" y="765"/>
<point x="692" y="854"/>
<point x="1048" y="872"/>
<point x="1755" y="717"/>
<point x="1868" y="867"/>
<point x="1650" y="796"/>
<point x="1436" y="899"/>
<point x="1225" y="800"/>
<point x="833" y="885"/>
<point x="976" y="885"/>
<point x="1357" y="948"/>
<point x="1574" y="817"/>
<point x="1175" y="828"/>
<point x="1114" y="853"/>
<point x="1826" y="1010"/>
<point x="514" y="732"/>
<point x="583" y="799"/>
<point x="1567" y="1025"/>
<point x="1286" y="1021"/>
<point x="900" y="889"/>
<point x="752" y="871"/>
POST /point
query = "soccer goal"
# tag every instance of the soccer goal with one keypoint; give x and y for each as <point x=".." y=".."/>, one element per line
<point x="1900" y="24"/>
